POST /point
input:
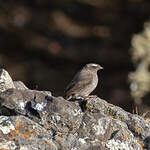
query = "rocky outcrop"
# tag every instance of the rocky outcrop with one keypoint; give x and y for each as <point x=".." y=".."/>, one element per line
<point x="36" y="120"/>
<point x="5" y="81"/>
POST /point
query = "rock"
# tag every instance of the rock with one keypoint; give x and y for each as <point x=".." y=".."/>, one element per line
<point x="90" y="124"/>
<point x="20" y="100"/>
<point x="5" y="81"/>
<point x="36" y="120"/>
<point x="19" y="132"/>
<point x="63" y="116"/>
<point x="20" y="85"/>
<point x="73" y="141"/>
<point x="56" y="113"/>
<point x="47" y="92"/>
<point x="136" y="124"/>
<point x="97" y="129"/>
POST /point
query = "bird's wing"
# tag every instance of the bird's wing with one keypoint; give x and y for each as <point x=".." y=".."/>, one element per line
<point x="80" y="81"/>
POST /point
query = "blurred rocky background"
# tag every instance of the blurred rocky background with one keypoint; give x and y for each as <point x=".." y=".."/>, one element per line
<point x="43" y="43"/>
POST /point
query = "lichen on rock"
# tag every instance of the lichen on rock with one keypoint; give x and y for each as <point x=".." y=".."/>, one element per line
<point x="32" y="119"/>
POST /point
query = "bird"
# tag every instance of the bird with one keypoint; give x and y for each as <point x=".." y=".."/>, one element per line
<point x="83" y="83"/>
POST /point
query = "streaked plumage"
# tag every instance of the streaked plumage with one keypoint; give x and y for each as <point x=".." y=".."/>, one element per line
<point x="84" y="82"/>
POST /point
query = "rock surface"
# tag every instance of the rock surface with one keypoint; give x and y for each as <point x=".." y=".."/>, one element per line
<point x="36" y="120"/>
<point x="5" y="81"/>
<point x="20" y="85"/>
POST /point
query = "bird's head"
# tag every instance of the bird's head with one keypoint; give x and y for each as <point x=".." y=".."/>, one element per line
<point x="94" y="67"/>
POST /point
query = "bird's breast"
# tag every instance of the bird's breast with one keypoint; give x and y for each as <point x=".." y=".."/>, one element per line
<point x="95" y="81"/>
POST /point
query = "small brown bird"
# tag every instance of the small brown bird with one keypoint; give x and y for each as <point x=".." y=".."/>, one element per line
<point x="84" y="82"/>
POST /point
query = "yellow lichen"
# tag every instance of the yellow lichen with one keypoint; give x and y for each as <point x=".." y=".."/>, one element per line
<point x="25" y="135"/>
<point x="61" y="136"/>
<point x="17" y="124"/>
<point x="88" y="105"/>
<point x="11" y="138"/>
<point x="137" y="129"/>
<point x="141" y="144"/>
<point x="48" y="143"/>
<point x="121" y="119"/>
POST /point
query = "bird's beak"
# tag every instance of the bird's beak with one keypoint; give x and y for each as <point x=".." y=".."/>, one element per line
<point x="100" y="67"/>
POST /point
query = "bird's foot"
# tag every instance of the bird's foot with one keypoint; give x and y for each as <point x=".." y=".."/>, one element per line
<point x="75" y="98"/>
<point x="81" y="98"/>
<point x="86" y="97"/>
